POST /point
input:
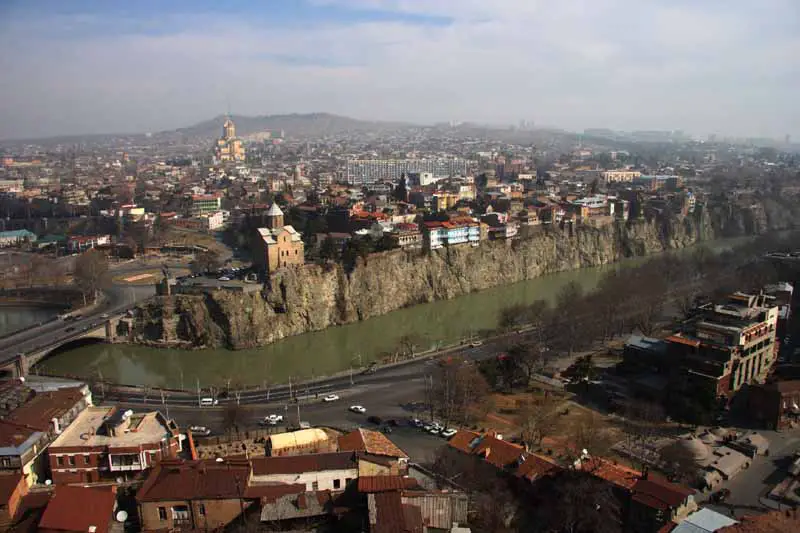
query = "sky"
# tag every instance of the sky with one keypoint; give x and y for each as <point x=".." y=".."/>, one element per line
<point x="730" y="67"/>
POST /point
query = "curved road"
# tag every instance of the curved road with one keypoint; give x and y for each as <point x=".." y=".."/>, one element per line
<point x="117" y="299"/>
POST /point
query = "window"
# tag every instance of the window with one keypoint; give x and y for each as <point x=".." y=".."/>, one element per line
<point x="201" y="509"/>
<point x="71" y="460"/>
<point x="162" y="513"/>
<point x="59" y="460"/>
<point x="348" y="480"/>
<point x="86" y="460"/>
<point x="337" y="483"/>
<point x="315" y="485"/>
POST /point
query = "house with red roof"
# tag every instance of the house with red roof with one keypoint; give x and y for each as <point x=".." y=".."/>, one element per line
<point x="79" y="510"/>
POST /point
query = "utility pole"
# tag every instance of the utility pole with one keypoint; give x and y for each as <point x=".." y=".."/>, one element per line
<point x="198" y="392"/>
<point x="290" y="387"/>
<point x="351" y="375"/>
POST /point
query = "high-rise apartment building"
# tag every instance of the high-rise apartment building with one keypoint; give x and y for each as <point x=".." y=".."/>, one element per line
<point x="368" y="171"/>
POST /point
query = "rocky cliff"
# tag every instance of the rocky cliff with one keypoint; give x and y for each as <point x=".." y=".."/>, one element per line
<point x="310" y="298"/>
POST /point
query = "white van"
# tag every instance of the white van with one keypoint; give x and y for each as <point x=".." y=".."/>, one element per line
<point x="208" y="402"/>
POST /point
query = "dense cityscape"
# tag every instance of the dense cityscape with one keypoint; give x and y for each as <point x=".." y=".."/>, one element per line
<point x="310" y="322"/>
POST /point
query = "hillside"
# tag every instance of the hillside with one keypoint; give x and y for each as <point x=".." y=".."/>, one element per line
<point x="298" y="125"/>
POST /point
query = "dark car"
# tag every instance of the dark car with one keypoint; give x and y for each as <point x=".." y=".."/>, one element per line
<point x="69" y="329"/>
<point x="375" y="420"/>
<point x="720" y="496"/>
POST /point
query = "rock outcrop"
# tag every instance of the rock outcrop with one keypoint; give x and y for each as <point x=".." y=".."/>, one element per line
<point x="310" y="298"/>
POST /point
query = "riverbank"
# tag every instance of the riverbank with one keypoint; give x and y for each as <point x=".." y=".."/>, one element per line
<point x="333" y="350"/>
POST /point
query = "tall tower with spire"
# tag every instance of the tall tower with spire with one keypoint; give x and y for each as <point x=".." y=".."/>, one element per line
<point x="274" y="217"/>
<point x="228" y="129"/>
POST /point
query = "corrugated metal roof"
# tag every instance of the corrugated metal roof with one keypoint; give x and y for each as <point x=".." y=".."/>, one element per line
<point x="264" y="466"/>
<point x="78" y="509"/>
<point x="369" y="484"/>
<point x="294" y="439"/>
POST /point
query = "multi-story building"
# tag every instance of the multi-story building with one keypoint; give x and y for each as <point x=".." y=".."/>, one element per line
<point x="367" y="171"/>
<point x="80" y="243"/>
<point x="406" y="235"/>
<point x="439" y="234"/>
<point x="625" y="176"/>
<point x="277" y="245"/>
<point x="728" y="346"/>
<point x="205" y="203"/>
<point x="212" y="221"/>
<point x="106" y="443"/>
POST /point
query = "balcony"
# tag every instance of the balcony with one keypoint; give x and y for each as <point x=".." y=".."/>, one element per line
<point x="125" y="463"/>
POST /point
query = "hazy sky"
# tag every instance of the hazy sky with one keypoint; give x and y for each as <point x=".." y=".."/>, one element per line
<point x="83" y="66"/>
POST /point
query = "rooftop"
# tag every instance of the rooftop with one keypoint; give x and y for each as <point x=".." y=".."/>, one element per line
<point x="774" y="522"/>
<point x="292" y="439"/>
<point x="660" y="493"/>
<point x="39" y="411"/>
<point x="79" y="509"/>
<point x="16" y="438"/>
<point x="136" y="430"/>
<point x="372" y="442"/>
<point x="264" y="466"/>
<point x="174" y="479"/>
<point x="372" y="484"/>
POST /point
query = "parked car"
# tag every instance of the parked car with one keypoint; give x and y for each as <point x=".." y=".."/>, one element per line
<point x="720" y="496"/>
<point x="447" y="433"/>
<point x="417" y="423"/>
<point x="330" y="398"/>
<point x="358" y="409"/>
<point x="224" y="278"/>
<point x="435" y="429"/>
<point x="200" y="430"/>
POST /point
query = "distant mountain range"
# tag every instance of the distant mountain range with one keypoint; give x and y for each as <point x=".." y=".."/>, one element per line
<point x="296" y="125"/>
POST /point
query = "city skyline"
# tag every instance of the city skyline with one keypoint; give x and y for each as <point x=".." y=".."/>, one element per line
<point x="105" y="67"/>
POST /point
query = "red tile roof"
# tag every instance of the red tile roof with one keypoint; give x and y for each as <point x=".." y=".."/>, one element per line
<point x="189" y="480"/>
<point x="498" y="452"/>
<point x="461" y="441"/>
<point x="372" y="442"/>
<point x="659" y="493"/>
<point x="79" y="508"/>
<point x="369" y="484"/>
<point x="535" y="467"/>
<point x="289" y="464"/>
<point x="618" y="475"/>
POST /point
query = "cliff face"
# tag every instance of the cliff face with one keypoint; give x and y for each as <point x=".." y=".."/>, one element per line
<point x="313" y="297"/>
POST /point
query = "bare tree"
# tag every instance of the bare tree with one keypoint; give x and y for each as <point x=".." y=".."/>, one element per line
<point x="207" y="261"/>
<point x="537" y="420"/>
<point x="91" y="273"/>
<point x="458" y="392"/>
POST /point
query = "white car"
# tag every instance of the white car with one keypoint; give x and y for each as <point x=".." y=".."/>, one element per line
<point x="200" y="430"/>
<point x="272" y="420"/>
<point x="358" y="409"/>
<point x="447" y="433"/>
<point x="224" y="278"/>
<point x="475" y="344"/>
<point x="330" y="398"/>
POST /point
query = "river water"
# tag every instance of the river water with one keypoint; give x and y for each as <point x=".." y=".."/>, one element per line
<point x="328" y="351"/>
<point x="14" y="318"/>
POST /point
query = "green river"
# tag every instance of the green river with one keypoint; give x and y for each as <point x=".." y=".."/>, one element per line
<point x="323" y="352"/>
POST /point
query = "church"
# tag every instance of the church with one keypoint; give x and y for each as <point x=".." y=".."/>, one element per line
<point x="277" y="245"/>
<point x="229" y="147"/>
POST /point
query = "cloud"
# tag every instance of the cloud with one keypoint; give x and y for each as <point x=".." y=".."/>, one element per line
<point x="710" y="66"/>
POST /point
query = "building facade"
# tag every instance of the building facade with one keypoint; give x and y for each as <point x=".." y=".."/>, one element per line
<point x="728" y="345"/>
<point x="106" y="443"/>
<point x="367" y="171"/>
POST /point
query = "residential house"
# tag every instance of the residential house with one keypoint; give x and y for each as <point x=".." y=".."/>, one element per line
<point x="20" y="448"/>
<point x="406" y="236"/>
<point x="377" y="455"/>
<point x="321" y="471"/>
<point x="194" y="494"/>
<point x="439" y="234"/>
<point x="79" y="510"/>
<point x="108" y="443"/>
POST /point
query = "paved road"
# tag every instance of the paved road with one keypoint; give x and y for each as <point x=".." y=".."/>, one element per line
<point x="117" y="299"/>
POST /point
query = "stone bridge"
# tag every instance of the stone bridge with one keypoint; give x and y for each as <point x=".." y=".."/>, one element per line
<point x="19" y="363"/>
